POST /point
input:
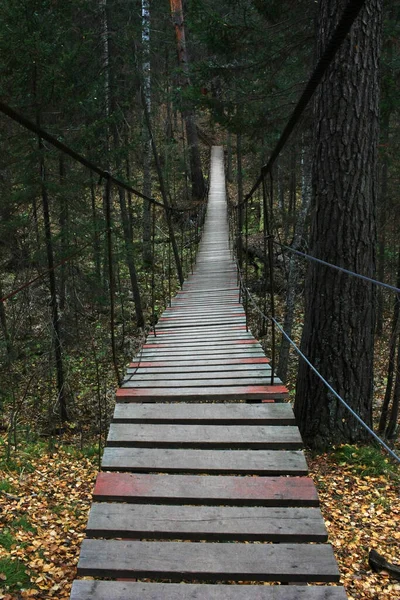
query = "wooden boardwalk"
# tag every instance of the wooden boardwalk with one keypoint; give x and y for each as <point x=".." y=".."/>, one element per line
<point x="204" y="484"/>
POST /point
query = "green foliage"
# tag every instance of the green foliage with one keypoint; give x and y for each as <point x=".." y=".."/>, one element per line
<point x="5" y="486"/>
<point x="6" y="539"/>
<point x="13" y="575"/>
<point x="365" y="460"/>
<point x="23" y="523"/>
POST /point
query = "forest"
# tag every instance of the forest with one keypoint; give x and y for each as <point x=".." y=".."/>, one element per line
<point x="108" y="111"/>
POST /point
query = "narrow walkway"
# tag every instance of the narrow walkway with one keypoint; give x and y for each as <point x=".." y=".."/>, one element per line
<point x="201" y="453"/>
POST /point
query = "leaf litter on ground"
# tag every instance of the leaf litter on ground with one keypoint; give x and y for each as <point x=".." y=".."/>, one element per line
<point x="45" y="504"/>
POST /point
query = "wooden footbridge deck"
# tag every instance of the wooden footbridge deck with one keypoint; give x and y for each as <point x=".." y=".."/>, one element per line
<point x="204" y="491"/>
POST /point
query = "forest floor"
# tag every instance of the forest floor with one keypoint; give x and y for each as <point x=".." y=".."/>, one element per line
<point x="45" y="499"/>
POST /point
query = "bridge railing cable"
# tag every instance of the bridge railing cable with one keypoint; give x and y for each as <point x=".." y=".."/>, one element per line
<point x="347" y="19"/>
<point x="337" y="268"/>
<point x="93" y="289"/>
<point x="256" y="307"/>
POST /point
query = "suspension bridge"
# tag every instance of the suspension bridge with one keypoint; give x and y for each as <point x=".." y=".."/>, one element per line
<point x="204" y="490"/>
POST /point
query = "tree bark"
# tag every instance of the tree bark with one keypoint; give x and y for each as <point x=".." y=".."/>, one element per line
<point x="198" y="187"/>
<point x="147" y="254"/>
<point x="338" y="335"/>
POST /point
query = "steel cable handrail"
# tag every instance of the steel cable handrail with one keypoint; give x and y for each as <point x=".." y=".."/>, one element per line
<point x="341" y="269"/>
<point x="343" y="27"/>
<point x="315" y="370"/>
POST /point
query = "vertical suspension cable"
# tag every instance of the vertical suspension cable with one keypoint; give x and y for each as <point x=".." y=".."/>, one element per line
<point x="111" y="274"/>
<point x="169" y="272"/>
<point x="191" y="239"/>
<point x="153" y="267"/>
<point x="265" y="259"/>
<point x="246" y="272"/>
<point x="271" y="277"/>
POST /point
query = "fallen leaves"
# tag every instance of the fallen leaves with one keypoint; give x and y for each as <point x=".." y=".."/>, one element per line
<point x="47" y="519"/>
<point x="46" y="509"/>
<point x="361" y="513"/>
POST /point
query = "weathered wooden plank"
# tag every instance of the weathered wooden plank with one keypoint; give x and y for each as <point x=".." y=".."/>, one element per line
<point x="203" y="370"/>
<point x="141" y="378"/>
<point x="249" y="392"/>
<point x="164" y="382"/>
<point x="166" y="460"/>
<point x="207" y="561"/>
<point x="188" y="342"/>
<point x="246" y="360"/>
<point x="211" y="523"/>
<point x="143" y="435"/>
<point x="206" y="413"/>
<point x="212" y="489"/>
<point x="119" y="590"/>
<point x="204" y="353"/>
<point x="210" y="348"/>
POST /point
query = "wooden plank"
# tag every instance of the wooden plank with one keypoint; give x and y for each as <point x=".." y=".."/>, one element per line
<point x="121" y="590"/>
<point x="166" y="460"/>
<point x="193" y="348"/>
<point x="253" y="360"/>
<point x="204" y="353"/>
<point x="143" y="435"/>
<point x="209" y="490"/>
<point x="164" y="382"/>
<point x="249" y="392"/>
<point x="207" y="561"/>
<point x="201" y="371"/>
<point x="211" y="523"/>
<point x="242" y="377"/>
<point x="206" y="413"/>
<point x="188" y="342"/>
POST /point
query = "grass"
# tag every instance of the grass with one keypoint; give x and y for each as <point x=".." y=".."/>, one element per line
<point x="23" y="523"/>
<point x="365" y="460"/>
<point x="6" y="539"/>
<point x="13" y="575"/>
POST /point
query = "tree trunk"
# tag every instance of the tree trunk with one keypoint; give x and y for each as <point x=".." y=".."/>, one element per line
<point x="338" y="335"/>
<point x="96" y="238"/>
<point x="198" y="187"/>
<point x="4" y="327"/>
<point x="392" y="357"/>
<point x="164" y="196"/>
<point x="294" y="268"/>
<point x="382" y="224"/>
<point x="128" y="242"/>
<point x="147" y="254"/>
<point x="63" y="220"/>
<point x="62" y="397"/>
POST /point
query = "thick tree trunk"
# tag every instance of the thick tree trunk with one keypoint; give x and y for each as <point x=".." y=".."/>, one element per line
<point x="338" y="334"/>
<point x="147" y="254"/>
<point x="198" y="187"/>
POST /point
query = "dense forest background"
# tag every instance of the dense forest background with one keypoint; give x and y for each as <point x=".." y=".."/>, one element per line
<point x="118" y="83"/>
<point x="142" y="89"/>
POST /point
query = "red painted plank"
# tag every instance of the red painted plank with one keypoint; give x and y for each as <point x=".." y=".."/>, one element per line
<point x="230" y="361"/>
<point x="265" y="491"/>
<point x="251" y="391"/>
